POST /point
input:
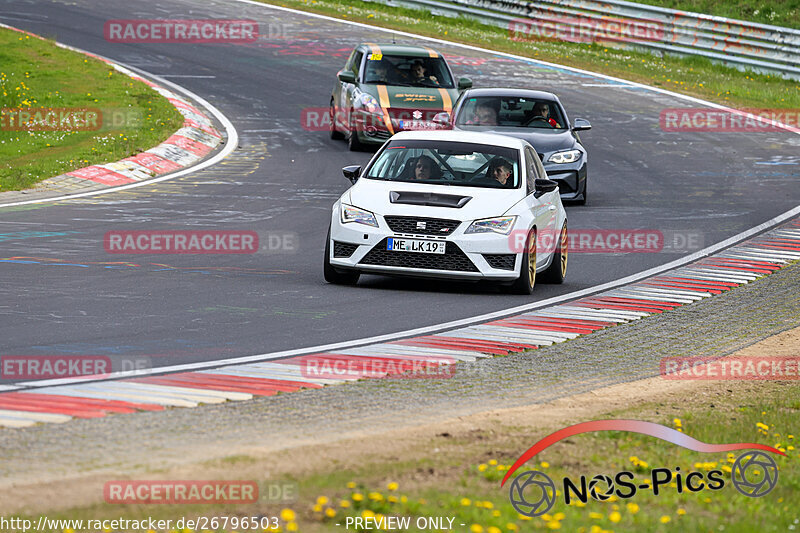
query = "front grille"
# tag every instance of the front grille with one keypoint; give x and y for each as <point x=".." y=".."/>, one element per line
<point x="343" y="249"/>
<point x="433" y="226"/>
<point x="501" y="261"/>
<point x="452" y="259"/>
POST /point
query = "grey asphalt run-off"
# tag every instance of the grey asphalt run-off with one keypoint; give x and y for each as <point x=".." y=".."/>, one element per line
<point x="283" y="179"/>
<point x="711" y="327"/>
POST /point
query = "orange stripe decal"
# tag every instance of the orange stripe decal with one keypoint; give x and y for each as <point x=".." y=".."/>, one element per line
<point x="431" y="52"/>
<point x="447" y="103"/>
<point x="375" y="48"/>
<point x="383" y="95"/>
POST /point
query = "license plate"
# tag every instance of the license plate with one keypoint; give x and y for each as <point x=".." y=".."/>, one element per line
<point x="415" y="245"/>
<point x="416" y="125"/>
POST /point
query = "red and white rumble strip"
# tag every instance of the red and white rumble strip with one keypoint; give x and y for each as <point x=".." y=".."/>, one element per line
<point x="710" y="276"/>
<point x="196" y="139"/>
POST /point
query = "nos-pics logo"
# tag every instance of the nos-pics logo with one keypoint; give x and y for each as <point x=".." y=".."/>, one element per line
<point x="533" y="493"/>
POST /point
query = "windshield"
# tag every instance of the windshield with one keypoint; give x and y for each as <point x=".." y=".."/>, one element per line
<point x="407" y="71"/>
<point x="511" y="111"/>
<point x="448" y="163"/>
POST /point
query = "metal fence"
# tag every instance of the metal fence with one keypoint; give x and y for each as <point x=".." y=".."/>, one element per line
<point x="746" y="45"/>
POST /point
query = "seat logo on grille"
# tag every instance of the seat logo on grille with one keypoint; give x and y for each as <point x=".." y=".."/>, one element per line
<point x="422" y="225"/>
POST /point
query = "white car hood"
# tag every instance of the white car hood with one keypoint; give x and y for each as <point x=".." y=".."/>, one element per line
<point x="374" y="195"/>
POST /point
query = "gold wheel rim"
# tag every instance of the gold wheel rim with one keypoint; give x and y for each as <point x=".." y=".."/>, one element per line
<point x="564" y="251"/>
<point x="532" y="258"/>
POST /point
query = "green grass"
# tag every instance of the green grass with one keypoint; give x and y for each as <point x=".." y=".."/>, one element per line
<point x="694" y="76"/>
<point x="459" y="475"/>
<point x="775" y="12"/>
<point x="34" y="73"/>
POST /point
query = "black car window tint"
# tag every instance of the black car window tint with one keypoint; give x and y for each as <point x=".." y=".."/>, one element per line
<point x="357" y="62"/>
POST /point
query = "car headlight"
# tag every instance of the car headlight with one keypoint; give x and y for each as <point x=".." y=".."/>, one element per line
<point x="567" y="156"/>
<point x="368" y="102"/>
<point x="360" y="216"/>
<point x="501" y="225"/>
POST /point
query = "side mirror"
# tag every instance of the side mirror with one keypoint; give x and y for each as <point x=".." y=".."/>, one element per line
<point x="441" y="119"/>
<point x="581" y="124"/>
<point x="543" y="186"/>
<point x="346" y="76"/>
<point x="352" y="173"/>
<point x="464" y="83"/>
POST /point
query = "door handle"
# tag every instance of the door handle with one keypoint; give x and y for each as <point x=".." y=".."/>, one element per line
<point x="551" y="208"/>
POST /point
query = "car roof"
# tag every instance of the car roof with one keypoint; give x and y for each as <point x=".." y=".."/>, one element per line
<point x="403" y="49"/>
<point x="492" y="139"/>
<point x="507" y="91"/>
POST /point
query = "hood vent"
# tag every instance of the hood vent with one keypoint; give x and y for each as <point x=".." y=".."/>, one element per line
<point x="429" y="199"/>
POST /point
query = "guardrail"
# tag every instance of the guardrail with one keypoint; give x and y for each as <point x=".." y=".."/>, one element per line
<point x="746" y="45"/>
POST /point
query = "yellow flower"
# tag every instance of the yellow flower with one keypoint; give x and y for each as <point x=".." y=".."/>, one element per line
<point x="375" y="496"/>
<point x="677" y="421"/>
<point x="496" y="513"/>
<point x="392" y="486"/>
<point x="632" y="508"/>
<point x="475" y="528"/>
<point x="291" y="526"/>
<point x="287" y="515"/>
<point x="391" y="499"/>
<point x="559" y="516"/>
<point x="330" y="513"/>
<point x="681" y="511"/>
<point x="615" y="517"/>
<point x="357" y="497"/>
<point x="544" y="464"/>
<point x="512" y="527"/>
<point x="553" y="525"/>
<point x="351" y="484"/>
<point x="317" y="508"/>
<point x="322" y="500"/>
<point x="344" y="504"/>
<point x="482" y="467"/>
<point x="366" y="513"/>
<point x="493" y="529"/>
<point x="664" y="519"/>
<point x="466" y="501"/>
<point x="492" y="462"/>
<point x="595" y="515"/>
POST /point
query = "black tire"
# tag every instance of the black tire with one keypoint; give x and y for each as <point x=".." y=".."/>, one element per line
<point x="353" y="144"/>
<point x="557" y="271"/>
<point x="331" y="274"/>
<point x="527" y="268"/>
<point x="335" y="134"/>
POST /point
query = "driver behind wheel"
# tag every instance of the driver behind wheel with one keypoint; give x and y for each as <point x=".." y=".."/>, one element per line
<point x="426" y="168"/>
<point x="542" y="111"/>
<point x="500" y="170"/>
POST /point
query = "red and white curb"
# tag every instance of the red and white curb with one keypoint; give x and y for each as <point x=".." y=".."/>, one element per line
<point x="710" y="276"/>
<point x="190" y="144"/>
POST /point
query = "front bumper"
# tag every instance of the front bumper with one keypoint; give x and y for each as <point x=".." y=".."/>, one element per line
<point x="467" y="256"/>
<point x="372" y="129"/>
<point x="571" y="179"/>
